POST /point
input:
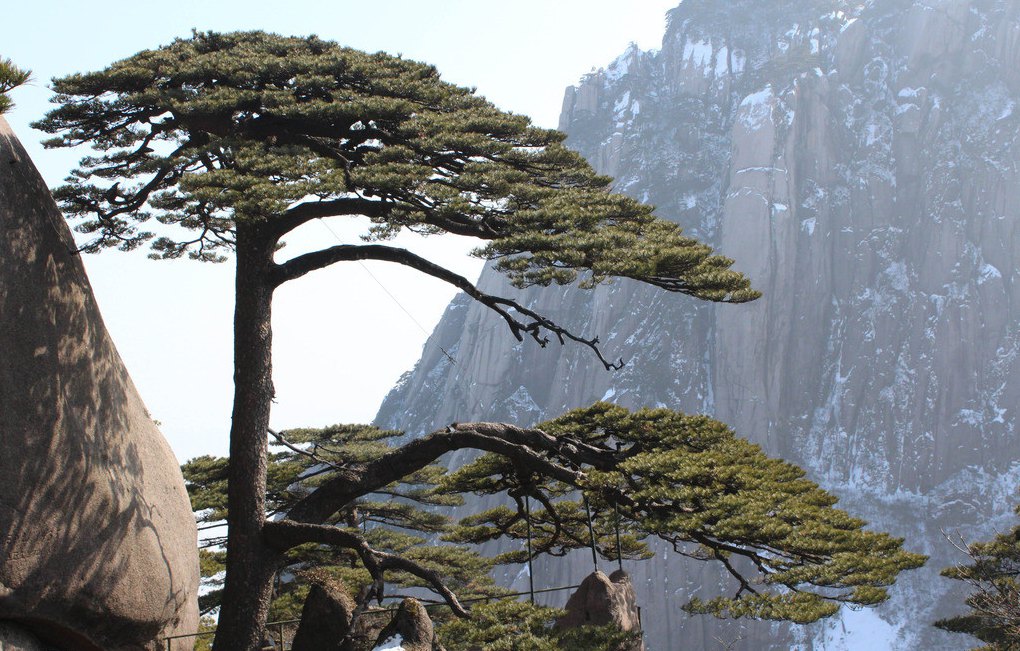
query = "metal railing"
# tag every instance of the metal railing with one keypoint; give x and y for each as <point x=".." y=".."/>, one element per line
<point x="279" y="627"/>
<point x="275" y="645"/>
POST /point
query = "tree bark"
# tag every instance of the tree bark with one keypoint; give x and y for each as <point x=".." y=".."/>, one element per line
<point x="251" y="564"/>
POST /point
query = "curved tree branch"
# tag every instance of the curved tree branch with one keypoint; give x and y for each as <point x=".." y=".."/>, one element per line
<point x="532" y="448"/>
<point x="308" y="262"/>
<point x="285" y="534"/>
<point x="309" y="210"/>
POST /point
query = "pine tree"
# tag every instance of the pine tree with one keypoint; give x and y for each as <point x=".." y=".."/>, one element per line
<point x="397" y="519"/>
<point x="11" y="77"/>
<point x="653" y="473"/>
<point x="231" y="141"/>
<point x="994" y="604"/>
<point x="712" y="496"/>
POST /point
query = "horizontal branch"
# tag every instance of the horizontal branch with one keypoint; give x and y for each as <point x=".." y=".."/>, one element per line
<point x="284" y="535"/>
<point x="556" y="458"/>
<point x="309" y="210"/>
<point x="308" y="262"/>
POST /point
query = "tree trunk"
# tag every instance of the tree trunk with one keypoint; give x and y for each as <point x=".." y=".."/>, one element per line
<point x="250" y="565"/>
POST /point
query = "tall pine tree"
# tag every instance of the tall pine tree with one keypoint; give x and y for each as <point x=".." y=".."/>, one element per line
<point x="232" y="141"/>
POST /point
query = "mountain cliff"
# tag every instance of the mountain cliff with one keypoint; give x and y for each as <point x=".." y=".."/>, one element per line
<point x="860" y="163"/>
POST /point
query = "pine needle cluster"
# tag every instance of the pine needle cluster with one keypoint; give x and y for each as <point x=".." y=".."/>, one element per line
<point x="398" y="519"/>
<point x="11" y="76"/>
<point x="992" y="574"/>
<point x="519" y="626"/>
<point x="690" y="481"/>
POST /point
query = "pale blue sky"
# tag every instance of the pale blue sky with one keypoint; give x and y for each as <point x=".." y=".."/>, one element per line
<point x="340" y="341"/>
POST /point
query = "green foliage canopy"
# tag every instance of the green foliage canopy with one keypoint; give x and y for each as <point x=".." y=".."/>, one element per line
<point x="688" y="480"/>
<point x="516" y="626"/>
<point x="11" y="76"/>
<point x="992" y="574"/>
<point x="225" y="128"/>
<point x="652" y="473"/>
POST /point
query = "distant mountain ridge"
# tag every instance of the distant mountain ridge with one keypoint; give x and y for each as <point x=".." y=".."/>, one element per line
<point x="862" y="168"/>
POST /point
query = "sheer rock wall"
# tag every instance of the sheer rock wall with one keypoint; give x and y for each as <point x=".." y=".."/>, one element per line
<point x="862" y="168"/>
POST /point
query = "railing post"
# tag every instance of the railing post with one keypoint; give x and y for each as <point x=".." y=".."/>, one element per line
<point x="619" y="547"/>
<point x="591" y="535"/>
<point x="531" y="574"/>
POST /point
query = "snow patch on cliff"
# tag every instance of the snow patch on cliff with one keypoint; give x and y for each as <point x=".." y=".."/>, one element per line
<point x="756" y="109"/>
<point x="854" y="630"/>
<point x="522" y="407"/>
<point x="621" y="65"/>
<point x="988" y="272"/>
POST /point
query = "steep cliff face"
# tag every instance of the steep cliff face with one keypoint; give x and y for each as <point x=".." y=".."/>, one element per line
<point x="862" y="168"/>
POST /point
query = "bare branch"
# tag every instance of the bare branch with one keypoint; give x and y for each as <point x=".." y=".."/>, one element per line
<point x="305" y="453"/>
<point x="524" y="446"/>
<point x="303" y="264"/>
<point x="285" y="534"/>
<point x="744" y="584"/>
<point x="309" y="210"/>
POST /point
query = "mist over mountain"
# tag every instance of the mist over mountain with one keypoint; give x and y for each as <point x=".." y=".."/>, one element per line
<point x="860" y="164"/>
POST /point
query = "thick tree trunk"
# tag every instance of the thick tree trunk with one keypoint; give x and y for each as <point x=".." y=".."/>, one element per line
<point x="250" y="563"/>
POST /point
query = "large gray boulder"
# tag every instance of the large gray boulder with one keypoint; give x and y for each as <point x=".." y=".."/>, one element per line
<point x="97" y="539"/>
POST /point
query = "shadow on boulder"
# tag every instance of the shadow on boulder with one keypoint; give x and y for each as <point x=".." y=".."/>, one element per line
<point x="97" y="539"/>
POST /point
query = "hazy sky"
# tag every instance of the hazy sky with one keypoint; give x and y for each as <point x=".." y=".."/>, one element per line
<point x="340" y="340"/>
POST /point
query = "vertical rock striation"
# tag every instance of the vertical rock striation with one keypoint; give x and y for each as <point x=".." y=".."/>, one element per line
<point x="97" y="539"/>
<point x="862" y="168"/>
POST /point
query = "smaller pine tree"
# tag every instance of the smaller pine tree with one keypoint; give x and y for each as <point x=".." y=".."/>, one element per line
<point x="11" y="76"/>
<point x="395" y="520"/>
<point x="994" y="616"/>
<point x="605" y="473"/>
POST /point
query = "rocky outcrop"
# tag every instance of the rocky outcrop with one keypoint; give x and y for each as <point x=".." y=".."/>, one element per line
<point x="328" y="622"/>
<point x="410" y="630"/>
<point x="325" y="620"/>
<point x="97" y="538"/>
<point x="860" y="163"/>
<point x="603" y="600"/>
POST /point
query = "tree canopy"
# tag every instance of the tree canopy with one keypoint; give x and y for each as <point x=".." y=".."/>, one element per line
<point x="994" y="603"/>
<point x="225" y="128"/>
<point x="653" y="473"/>
<point x="11" y="76"/>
